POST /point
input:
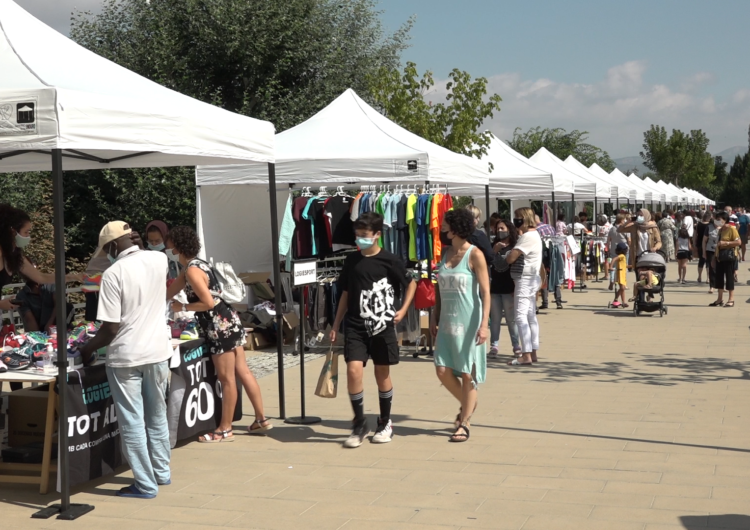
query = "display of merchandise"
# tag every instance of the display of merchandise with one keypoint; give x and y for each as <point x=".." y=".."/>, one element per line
<point x="190" y="332"/>
<point x="91" y="282"/>
<point x="39" y="350"/>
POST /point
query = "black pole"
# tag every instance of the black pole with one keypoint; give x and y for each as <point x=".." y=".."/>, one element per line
<point x="65" y="510"/>
<point x="302" y="419"/>
<point x="487" y="205"/>
<point x="277" y="284"/>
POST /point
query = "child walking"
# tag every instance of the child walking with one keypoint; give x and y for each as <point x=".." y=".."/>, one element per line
<point x="370" y="282"/>
<point x="684" y="251"/>
<point x="620" y="266"/>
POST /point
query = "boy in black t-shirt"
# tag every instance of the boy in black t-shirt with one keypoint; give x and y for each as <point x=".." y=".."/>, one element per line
<point x="369" y="282"/>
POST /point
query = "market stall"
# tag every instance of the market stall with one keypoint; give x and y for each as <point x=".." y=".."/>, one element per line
<point x="64" y="107"/>
<point x="624" y="189"/>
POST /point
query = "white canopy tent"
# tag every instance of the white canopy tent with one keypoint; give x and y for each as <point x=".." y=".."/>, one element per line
<point x="60" y="103"/>
<point x="605" y="183"/>
<point x="584" y="189"/>
<point x="638" y="193"/>
<point x="657" y="193"/>
<point x="671" y="196"/>
<point x="623" y="188"/>
<point x="348" y="142"/>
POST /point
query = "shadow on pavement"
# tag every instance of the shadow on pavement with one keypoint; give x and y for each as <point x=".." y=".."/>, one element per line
<point x="694" y="522"/>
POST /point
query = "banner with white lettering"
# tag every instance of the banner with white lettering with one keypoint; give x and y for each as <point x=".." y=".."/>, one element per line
<point x="93" y="431"/>
<point x="195" y="391"/>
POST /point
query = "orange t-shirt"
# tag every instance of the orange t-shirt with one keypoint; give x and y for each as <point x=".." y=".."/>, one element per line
<point x="435" y="222"/>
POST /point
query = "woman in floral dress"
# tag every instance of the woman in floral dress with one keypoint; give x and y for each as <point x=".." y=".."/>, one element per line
<point x="222" y="330"/>
<point x="667" y="229"/>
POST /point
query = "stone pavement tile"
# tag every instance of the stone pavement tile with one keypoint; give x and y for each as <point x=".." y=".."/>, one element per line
<point x="587" y="463"/>
<point x="518" y="470"/>
<point x="643" y="515"/>
<point x="729" y="521"/>
<point x="494" y="492"/>
<point x="94" y="521"/>
<point x="468" y="519"/>
<point x="248" y="504"/>
<point x="614" y="474"/>
<point x="185" y="515"/>
<point x="24" y="520"/>
<point x="442" y="501"/>
<point x="361" y="473"/>
<point x="554" y="483"/>
<point x="669" y="448"/>
<point x="343" y="494"/>
<point x="669" y="490"/>
<point x="274" y="521"/>
<point x="387" y="463"/>
<point x="733" y="471"/>
<point x="444" y="477"/>
<point x="703" y="505"/>
<point x="529" y="508"/>
<point x="622" y="456"/>
<point x="551" y="522"/>
<point x="379" y="525"/>
<point x="663" y="467"/>
<point x="188" y="526"/>
<point x="734" y="493"/>
<point x="599" y="499"/>
<point x="500" y="454"/>
<point x="393" y="485"/>
<point x="582" y="442"/>
<point x="704" y="480"/>
<point x="727" y="458"/>
<point x="370" y="513"/>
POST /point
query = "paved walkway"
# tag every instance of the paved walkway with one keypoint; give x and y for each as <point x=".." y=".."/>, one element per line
<point x="626" y="424"/>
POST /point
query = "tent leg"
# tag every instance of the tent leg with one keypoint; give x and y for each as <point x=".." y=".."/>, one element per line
<point x="277" y="285"/>
<point x="64" y="510"/>
<point x="487" y="204"/>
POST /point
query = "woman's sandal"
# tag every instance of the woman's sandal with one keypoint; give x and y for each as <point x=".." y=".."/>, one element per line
<point x="258" y="427"/>
<point x="717" y="303"/>
<point x="459" y="436"/>
<point x="457" y="422"/>
<point x="211" y="437"/>
<point x="729" y="304"/>
<point x="516" y="362"/>
<point x="632" y="299"/>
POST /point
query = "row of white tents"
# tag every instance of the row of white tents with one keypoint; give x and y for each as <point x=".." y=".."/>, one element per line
<point x="63" y="107"/>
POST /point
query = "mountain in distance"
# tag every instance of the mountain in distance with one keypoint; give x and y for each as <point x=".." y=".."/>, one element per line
<point x="628" y="163"/>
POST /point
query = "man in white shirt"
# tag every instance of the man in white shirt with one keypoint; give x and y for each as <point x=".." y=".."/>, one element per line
<point x="132" y="309"/>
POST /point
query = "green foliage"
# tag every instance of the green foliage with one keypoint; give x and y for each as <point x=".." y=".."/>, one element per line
<point x="562" y="144"/>
<point x="453" y="124"/>
<point x="736" y="188"/>
<point x="680" y="158"/>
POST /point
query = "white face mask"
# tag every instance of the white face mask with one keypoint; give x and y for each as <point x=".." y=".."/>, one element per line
<point x="639" y="219"/>
<point x="718" y="223"/>
<point x="22" y="241"/>
<point x="172" y="255"/>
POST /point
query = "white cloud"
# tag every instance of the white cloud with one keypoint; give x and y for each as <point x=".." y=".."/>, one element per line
<point x="619" y="108"/>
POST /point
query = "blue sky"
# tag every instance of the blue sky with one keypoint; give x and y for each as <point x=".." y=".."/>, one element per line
<point x="609" y="67"/>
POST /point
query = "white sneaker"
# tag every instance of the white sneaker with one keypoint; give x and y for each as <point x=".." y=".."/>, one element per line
<point x="358" y="435"/>
<point x="384" y="432"/>
<point x="493" y="353"/>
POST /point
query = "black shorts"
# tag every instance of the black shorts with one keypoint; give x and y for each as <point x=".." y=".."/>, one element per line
<point x="381" y="348"/>
<point x="683" y="254"/>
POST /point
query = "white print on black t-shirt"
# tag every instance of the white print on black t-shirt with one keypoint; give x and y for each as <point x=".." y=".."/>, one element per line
<point x="376" y="306"/>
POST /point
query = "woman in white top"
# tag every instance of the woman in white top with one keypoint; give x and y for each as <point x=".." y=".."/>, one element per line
<point x="525" y="261"/>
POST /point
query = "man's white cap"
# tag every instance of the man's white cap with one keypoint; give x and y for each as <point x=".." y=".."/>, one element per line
<point x="112" y="231"/>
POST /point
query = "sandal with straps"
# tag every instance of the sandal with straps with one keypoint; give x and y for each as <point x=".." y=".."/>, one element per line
<point x="459" y="437"/>
<point x="210" y="437"/>
<point x="457" y="421"/>
<point x="260" y="429"/>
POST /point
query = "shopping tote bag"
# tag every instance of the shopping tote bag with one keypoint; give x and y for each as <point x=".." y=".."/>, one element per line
<point x="328" y="381"/>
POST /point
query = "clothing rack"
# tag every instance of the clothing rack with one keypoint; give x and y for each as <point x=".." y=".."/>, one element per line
<point x="588" y="238"/>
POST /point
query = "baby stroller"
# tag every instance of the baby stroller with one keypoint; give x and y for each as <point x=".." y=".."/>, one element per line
<point x="656" y="262"/>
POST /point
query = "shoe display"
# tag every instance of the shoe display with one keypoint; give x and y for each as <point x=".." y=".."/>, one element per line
<point x="384" y="432"/>
<point x="190" y="332"/>
<point x="358" y="435"/>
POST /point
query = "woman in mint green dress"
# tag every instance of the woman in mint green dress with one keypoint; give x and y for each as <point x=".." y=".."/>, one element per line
<point x="460" y="317"/>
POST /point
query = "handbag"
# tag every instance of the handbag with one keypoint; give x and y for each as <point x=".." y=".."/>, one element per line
<point x="328" y="381"/>
<point x="425" y="294"/>
<point x="724" y="254"/>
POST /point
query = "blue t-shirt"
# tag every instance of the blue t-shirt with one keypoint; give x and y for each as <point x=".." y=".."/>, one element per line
<point x="422" y="228"/>
<point x="744" y="221"/>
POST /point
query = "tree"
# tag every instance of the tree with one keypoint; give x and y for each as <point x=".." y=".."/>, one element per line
<point x="453" y="124"/>
<point x="272" y="60"/>
<point x="682" y="159"/>
<point x="562" y="144"/>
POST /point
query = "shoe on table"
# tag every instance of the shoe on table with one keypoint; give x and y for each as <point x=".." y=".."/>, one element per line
<point x="190" y="332"/>
<point x="358" y="435"/>
<point x="384" y="432"/>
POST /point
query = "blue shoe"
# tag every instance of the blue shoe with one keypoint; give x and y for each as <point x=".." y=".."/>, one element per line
<point x="190" y="332"/>
<point x="133" y="492"/>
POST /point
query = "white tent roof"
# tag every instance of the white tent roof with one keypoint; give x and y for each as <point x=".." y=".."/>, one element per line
<point x="671" y="195"/>
<point x="350" y="142"/>
<point x="514" y="177"/>
<point x="682" y="196"/>
<point x="101" y="114"/>
<point x="638" y="193"/>
<point x="585" y="187"/>
<point x="658" y="194"/>
<point x="574" y="165"/>
<point x="624" y="188"/>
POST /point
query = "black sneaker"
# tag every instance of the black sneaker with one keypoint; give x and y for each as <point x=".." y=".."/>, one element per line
<point x="543" y="306"/>
<point x="559" y="305"/>
<point x="358" y="435"/>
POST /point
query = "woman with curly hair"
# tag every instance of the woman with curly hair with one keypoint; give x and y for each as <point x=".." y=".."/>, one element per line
<point x="525" y="262"/>
<point x="460" y="317"/>
<point x="222" y="330"/>
<point x="15" y="235"/>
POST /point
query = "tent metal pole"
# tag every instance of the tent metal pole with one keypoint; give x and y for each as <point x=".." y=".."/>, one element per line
<point x="65" y="510"/>
<point x="277" y="285"/>
<point x="487" y="204"/>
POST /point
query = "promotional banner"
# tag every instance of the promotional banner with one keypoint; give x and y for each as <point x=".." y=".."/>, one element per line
<point x="195" y="391"/>
<point x="93" y="431"/>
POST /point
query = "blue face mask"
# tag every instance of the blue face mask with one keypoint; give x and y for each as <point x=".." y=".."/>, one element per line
<point x="159" y="247"/>
<point x="365" y="242"/>
<point x="111" y="259"/>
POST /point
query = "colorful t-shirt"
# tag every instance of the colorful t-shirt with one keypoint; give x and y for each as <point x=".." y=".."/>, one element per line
<point x="435" y="222"/>
<point x="411" y="221"/>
